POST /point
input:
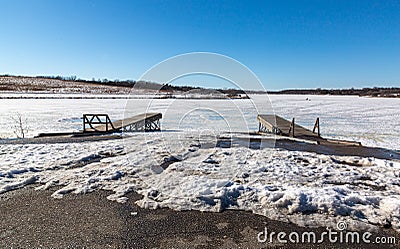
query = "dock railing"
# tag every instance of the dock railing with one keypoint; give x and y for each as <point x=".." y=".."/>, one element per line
<point x="92" y="120"/>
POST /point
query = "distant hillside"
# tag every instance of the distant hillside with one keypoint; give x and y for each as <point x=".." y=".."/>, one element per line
<point x="60" y="84"/>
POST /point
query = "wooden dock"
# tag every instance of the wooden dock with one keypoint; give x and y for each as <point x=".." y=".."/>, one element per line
<point x="280" y="126"/>
<point x="99" y="124"/>
<point x="102" y="123"/>
<point x="277" y="125"/>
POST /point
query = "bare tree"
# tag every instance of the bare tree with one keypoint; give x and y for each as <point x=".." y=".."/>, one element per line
<point x="19" y="125"/>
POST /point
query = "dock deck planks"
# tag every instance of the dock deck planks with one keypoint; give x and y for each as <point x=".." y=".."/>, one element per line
<point x="278" y="125"/>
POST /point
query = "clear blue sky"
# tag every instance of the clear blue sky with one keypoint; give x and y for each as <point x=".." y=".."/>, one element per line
<point x="288" y="44"/>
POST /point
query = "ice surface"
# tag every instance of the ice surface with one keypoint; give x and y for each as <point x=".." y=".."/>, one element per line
<point x="178" y="169"/>
<point x="372" y="121"/>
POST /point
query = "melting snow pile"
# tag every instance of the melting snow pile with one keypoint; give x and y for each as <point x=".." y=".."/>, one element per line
<point x="304" y="188"/>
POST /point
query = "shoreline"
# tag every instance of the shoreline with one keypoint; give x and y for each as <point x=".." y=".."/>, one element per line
<point x="34" y="219"/>
<point x="279" y="142"/>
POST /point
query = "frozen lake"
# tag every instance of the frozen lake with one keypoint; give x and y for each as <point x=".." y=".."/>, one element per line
<point x="372" y="121"/>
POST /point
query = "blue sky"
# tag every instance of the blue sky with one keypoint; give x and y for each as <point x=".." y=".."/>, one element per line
<point x="287" y="44"/>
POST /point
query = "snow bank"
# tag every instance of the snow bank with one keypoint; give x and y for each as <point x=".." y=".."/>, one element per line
<point x="304" y="188"/>
<point x="182" y="171"/>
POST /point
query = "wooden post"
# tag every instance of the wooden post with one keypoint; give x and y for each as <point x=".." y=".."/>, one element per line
<point x="316" y="126"/>
<point x="84" y="122"/>
<point x="291" y="129"/>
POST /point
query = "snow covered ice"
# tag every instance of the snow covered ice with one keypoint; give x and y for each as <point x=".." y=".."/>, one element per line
<point x="175" y="170"/>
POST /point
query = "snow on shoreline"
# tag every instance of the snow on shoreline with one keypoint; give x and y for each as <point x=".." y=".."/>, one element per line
<point x="174" y="170"/>
<point x="300" y="187"/>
